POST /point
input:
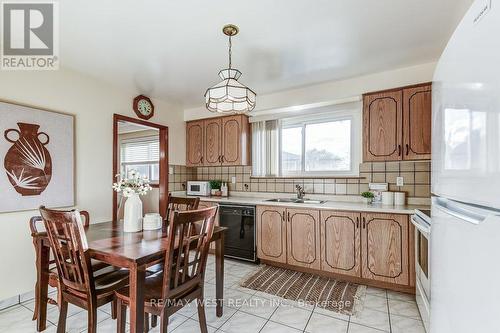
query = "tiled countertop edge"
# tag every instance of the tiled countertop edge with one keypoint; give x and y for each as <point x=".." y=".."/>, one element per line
<point x="348" y="203"/>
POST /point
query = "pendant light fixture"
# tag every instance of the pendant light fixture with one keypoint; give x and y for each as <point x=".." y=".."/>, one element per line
<point x="229" y="95"/>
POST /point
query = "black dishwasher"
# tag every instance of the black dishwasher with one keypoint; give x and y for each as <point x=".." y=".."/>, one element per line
<point x="239" y="240"/>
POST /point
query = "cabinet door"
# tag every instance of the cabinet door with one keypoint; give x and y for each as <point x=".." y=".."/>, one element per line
<point x="303" y="238"/>
<point x="340" y="242"/>
<point x="271" y="233"/>
<point x="231" y="140"/>
<point x="384" y="248"/>
<point x="382" y="126"/>
<point x="417" y="114"/>
<point x="194" y="144"/>
<point x="213" y="141"/>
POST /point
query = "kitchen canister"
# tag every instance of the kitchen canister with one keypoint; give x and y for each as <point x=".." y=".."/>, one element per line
<point x="152" y="221"/>
<point x="399" y="198"/>
<point x="387" y="198"/>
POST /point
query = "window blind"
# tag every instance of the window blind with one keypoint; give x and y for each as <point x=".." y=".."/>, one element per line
<point x="143" y="150"/>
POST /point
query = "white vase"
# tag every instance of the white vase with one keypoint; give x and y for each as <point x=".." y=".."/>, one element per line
<point x="132" y="216"/>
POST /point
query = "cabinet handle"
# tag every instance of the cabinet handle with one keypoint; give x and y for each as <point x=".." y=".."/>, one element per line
<point x="283" y="216"/>
<point x="357" y="222"/>
<point x="364" y="223"/>
<point x="201" y="159"/>
<point x="288" y="216"/>
<point x="407" y="149"/>
<point x="218" y="159"/>
<point x="222" y="159"/>
<point x="399" y="150"/>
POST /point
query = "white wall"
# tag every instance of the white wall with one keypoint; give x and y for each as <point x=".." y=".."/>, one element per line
<point x="93" y="104"/>
<point x="330" y="91"/>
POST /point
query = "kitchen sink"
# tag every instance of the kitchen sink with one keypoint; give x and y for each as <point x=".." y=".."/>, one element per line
<point x="295" y="200"/>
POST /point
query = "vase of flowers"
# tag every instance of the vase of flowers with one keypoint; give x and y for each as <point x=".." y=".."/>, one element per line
<point x="131" y="188"/>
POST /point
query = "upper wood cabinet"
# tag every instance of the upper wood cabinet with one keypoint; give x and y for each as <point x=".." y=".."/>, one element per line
<point x="195" y="143"/>
<point x="303" y="238"/>
<point x="384" y="248"/>
<point x="417" y="106"/>
<point x="397" y="124"/>
<point x="382" y="126"/>
<point x="341" y="242"/>
<point x="213" y="140"/>
<point x="271" y="233"/>
<point x="224" y="141"/>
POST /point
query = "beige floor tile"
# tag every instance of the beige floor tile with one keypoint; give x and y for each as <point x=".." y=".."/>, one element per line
<point x="401" y="324"/>
<point x="243" y="322"/>
<point x="320" y="323"/>
<point x="372" y="318"/>
<point x="291" y="316"/>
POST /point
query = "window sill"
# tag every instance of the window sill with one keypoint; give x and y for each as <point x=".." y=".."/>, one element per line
<point x="307" y="177"/>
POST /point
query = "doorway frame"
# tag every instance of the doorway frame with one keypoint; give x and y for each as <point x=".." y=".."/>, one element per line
<point x="163" y="163"/>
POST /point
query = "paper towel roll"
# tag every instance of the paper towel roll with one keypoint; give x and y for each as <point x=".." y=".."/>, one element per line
<point x="388" y="198"/>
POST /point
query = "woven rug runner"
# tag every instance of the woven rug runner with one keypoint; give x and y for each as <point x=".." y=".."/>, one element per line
<point x="331" y="294"/>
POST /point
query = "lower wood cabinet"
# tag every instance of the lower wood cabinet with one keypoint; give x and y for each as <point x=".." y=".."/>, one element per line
<point x="384" y="248"/>
<point x="341" y="242"/>
<point x="372" y="246"/>
<point x="271" y="233"/>
<point x="303" y="238"/>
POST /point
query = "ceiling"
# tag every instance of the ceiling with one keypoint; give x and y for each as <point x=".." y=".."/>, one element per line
<point x="173" y="50"/>
<point x="128" y="127"/>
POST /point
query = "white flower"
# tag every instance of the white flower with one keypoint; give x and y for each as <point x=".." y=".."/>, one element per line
<point x="134" y="184"/>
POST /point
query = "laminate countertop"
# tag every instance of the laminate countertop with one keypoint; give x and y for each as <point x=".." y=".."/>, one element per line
<point x="330" y="204"/>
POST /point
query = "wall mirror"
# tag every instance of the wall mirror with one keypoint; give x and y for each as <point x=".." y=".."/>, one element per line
<point x="142" y="146"/>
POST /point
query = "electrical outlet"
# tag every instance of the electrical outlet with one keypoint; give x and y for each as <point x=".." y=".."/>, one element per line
<point x="233" y="180"/>
<point x="400" y="181"/>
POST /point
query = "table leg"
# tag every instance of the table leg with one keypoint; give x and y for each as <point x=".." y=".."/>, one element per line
<point x="219" y="274"/>
<point x="42" y="285"/>
<point x="137" y="281"/>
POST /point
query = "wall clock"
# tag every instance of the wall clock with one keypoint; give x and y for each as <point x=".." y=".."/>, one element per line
<point x="143" y="107"/>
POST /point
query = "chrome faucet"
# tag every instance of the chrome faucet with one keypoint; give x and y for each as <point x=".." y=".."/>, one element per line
<point x="300" y="192"/>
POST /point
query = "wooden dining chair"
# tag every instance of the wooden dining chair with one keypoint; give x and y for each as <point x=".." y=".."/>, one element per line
<point x="34" y="223"/>
<point x="183" y="277"/>
<point x="180" y="204"/>
<point x="78" y="283"/>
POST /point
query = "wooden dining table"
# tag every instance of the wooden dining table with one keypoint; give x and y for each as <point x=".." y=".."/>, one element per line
<point x="134" y="251"/>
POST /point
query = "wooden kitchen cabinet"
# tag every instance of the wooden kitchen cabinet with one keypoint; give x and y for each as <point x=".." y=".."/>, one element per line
<point x="194" y="143"/>
<point x="341" y="242"/>
<point x="213" y="141"/>
<point x="397" y="124"/>
<point x="220" y="141"/>
<point x="417" y="114"/>
<point x="303" y="238"/>
<point x="271" y="233"/>
<point x="235" y="135"/>
<point x="384" y="248"/>
<point x="382" y="126"/>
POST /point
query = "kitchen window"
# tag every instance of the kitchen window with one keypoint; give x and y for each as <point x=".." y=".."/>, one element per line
<point x="142" y="155"/>
<point x="312" y="145"/>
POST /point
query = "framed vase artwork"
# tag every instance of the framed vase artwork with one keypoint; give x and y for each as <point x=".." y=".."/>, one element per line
<point x="37" y="158"/>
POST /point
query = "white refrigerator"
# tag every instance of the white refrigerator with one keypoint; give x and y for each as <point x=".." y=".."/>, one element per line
<point x="465" y="234"/>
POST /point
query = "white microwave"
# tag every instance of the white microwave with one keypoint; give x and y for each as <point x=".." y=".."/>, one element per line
<point x="198" y="188"/>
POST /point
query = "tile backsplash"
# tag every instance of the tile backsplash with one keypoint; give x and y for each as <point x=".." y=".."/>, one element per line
<point x="181" y="174"/>
<point x="416" y="177"/>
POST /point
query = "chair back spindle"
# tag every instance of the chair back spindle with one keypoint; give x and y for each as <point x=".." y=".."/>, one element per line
<point x="67" y="238"/>
<point x="189" y="236"/>
<point x="180" y="204"/>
